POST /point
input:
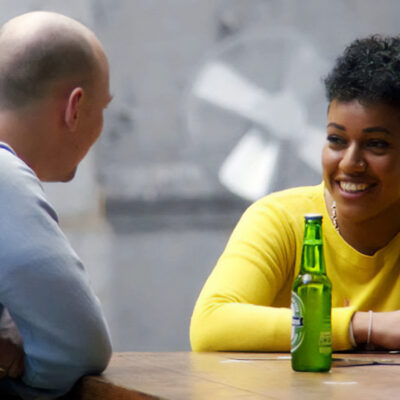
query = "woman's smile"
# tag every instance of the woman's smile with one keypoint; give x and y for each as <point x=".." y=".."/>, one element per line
<point x="352" y="187"/>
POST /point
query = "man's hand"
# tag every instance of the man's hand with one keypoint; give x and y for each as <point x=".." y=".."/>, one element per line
<point x="11" y="348"/>
<point x="11" y="359"/>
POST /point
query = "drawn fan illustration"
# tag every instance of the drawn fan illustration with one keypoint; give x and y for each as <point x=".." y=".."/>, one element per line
<point x="255" y="113"/>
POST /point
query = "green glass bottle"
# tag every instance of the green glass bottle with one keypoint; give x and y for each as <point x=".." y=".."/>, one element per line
<point x="311" y="344"/>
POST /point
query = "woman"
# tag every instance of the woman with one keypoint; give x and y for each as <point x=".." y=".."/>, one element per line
<point x="245" y="303"/>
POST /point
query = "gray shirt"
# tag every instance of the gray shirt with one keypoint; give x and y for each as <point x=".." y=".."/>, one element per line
<point x="45" y="289"/>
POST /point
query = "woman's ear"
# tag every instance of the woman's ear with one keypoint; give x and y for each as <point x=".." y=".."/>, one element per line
<point x="72" y="111"/>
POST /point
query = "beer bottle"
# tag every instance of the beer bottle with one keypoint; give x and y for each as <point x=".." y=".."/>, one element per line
<point x="311" y="344"/>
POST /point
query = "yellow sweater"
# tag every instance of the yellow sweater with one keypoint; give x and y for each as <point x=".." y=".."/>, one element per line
<point x="245" y="303"/>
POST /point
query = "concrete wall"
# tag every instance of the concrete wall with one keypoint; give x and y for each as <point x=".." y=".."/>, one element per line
<point x="216" y="102"/>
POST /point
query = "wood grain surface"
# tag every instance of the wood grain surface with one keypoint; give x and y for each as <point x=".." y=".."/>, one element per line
<point x="186" y="375"/>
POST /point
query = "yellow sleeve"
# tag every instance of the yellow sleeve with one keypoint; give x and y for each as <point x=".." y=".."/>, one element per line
<point x="237" y="308"/>
<point x="341" y="318"/>
<point x="234" y="310"/>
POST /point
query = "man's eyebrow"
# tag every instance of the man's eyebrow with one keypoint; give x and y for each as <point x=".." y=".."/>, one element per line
<point x="337" y="126"/>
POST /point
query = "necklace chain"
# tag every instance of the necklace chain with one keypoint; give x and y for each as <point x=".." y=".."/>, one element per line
<point x="334" y="216"/>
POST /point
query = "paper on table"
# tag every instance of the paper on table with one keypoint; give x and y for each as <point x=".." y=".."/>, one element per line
<point x="341" y="360"/>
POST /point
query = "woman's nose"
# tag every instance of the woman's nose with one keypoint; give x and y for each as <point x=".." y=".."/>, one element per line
<point x="353" y="161"/>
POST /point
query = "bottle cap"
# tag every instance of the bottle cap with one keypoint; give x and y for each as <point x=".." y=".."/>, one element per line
<point x="312" y="216"/>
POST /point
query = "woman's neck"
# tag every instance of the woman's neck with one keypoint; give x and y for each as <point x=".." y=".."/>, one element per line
<point x="370" y="235"/>
<point x="366" y="238"/>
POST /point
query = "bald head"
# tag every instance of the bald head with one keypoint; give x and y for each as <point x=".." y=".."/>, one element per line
<point x="40" y="49"/>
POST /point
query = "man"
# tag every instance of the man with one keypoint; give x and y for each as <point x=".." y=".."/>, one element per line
<point x="54" y="86"/>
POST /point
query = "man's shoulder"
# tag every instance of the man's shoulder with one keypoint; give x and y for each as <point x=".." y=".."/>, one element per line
<point x="11" y="166"/>
<point x="16" y="178"/>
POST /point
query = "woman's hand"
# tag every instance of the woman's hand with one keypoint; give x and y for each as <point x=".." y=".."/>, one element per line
<point x="384" y="332"/>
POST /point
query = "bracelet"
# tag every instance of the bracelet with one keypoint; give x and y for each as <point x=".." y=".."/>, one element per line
<point x="369" y="328"/>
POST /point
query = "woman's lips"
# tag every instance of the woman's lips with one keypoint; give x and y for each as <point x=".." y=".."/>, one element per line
<point x="354" y="190"/>
<point x="352" y="187"/>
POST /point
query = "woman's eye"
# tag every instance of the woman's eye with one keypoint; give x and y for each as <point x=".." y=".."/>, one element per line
<point x="378" y="144"/>
<point x="335" y="140"/>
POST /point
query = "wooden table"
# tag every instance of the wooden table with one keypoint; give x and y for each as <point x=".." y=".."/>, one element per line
<point x="209" y="376"/>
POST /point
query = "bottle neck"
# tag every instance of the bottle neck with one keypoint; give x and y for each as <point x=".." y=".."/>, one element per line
<point x="312" y="259"/>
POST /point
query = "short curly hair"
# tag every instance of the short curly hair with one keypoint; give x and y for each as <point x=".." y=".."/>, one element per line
<point x="368" y="71"/>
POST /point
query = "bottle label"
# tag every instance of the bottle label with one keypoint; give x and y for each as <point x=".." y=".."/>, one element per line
<point x="297" y="322"/>
<point x="325" y="342"/>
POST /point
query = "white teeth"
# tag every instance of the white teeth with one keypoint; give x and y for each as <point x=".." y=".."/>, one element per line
<point x="353" y="187"/>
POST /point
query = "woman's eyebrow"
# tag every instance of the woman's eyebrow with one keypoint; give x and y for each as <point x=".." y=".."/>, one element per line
<point x="366" y="130"/>
<point x="335" y="125"/>
<point x="377" y="129"/>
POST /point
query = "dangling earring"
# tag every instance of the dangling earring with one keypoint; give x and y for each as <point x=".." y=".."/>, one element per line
<point x="334" y="216"/>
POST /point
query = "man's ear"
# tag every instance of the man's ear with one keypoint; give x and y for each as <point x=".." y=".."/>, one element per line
<point x="72" y="111"/>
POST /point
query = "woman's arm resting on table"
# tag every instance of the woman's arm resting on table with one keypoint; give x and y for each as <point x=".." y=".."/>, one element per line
<point x="237" y="309"/>
<point x="384" y="329"/>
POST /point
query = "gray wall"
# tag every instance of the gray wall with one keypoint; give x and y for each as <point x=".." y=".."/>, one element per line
<point x="148" y="213"/>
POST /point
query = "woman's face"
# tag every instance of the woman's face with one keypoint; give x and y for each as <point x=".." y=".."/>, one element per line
<point x="361" y="159"/>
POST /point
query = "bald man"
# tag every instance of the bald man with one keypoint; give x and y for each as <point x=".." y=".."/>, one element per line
<point x="54" y="86"/>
